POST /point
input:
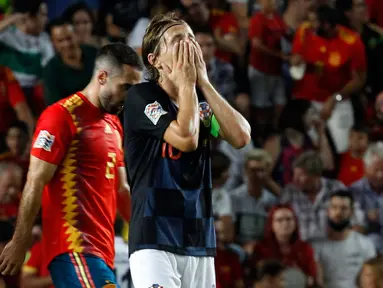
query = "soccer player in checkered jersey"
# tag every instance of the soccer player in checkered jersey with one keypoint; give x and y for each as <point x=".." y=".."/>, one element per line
<point x="77" y="173"/>
<point x="168" y="123"/>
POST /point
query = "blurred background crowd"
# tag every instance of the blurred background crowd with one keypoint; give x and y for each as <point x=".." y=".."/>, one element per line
<point x="302" y="204"/>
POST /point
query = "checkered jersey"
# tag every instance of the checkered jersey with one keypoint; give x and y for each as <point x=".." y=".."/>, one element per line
<point x="171" y="190"/>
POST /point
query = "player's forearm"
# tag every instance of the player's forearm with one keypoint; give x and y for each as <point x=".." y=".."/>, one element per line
<point x="36" y="282"/>
<point x="188" y="112"/>
<point x="234" y="127"/>
<point x="356" y="83"/>
<point x="124" y="203"/>
<point x="29" y="208"/>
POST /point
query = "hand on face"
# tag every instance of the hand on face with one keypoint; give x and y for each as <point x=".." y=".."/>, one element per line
<point x="200" y="65"/>
<point x="183" y="73"/>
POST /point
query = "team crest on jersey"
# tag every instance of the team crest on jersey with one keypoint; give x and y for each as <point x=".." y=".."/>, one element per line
<point x="156" y="286"/>
<point x="205" y="113"/>
<point x="44" y="141"/>
<point x="154" y="111"/>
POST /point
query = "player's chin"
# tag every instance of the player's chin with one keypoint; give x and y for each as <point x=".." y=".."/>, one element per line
<point x="115" y="110"/>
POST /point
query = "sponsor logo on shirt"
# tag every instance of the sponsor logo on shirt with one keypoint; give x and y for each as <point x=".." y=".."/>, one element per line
<point x="44" y="141"/>
<point x="156" y="286"/>
<point x="154" y="111"/>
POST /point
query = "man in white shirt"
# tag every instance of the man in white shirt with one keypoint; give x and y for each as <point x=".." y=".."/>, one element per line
<point x="342" y="253"/>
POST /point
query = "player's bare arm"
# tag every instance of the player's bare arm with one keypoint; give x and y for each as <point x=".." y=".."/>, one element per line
<point x="183" y="132"/>
<point x="123" y="195"/>
<point x="39" y="174"/>
<point x="234" y="128"/>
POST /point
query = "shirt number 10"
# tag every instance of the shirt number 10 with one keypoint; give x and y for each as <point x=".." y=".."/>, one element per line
<point x="109" y="174"/>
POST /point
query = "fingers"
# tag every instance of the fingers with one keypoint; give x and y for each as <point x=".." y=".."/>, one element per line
<point x="166" y="68"/>
<point x="15" y="269"/>
<point x="186" y="52"/>
<point x="175" y="54"/>
<point x="192" y="52"/>
<point x="181" y="53"/>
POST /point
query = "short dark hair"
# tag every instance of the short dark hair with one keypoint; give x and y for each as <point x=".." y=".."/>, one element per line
<point x="73" y="9"/>
<point x="343" y="193"/>
<point x="57" y="22"/>
<point x="219" y="164"/>
<point x="311" y="162"/>
<point x="326" y="14"/>
<point x="116" y="55"/>
<point x="21" y="125"/>
<point x="271" y="268"/>
<point x="292" y="115"/>
<point x="361" y="128"/>
<point x="153" y="35"/>
<point x="27" y="6"/>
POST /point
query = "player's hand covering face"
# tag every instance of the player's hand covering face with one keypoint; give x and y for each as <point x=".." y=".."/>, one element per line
<point x="114" y="88"/>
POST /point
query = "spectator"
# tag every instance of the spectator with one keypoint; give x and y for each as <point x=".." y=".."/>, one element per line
<point x="11" y="176"/>
<point x="356" y="17"/>
<point x="351" y="165"/>
<point x="83" y="21"/>
<point x="252" y="200"/>
<point x="34" y="273"/>
<point x="25" y="48"/>
<point x="268" y="97"/>
<point x="342" y="252"/>
<point x="371" y="275"/>
<point x="269" y="274"/>
<point x="376" y="120"/>
<point x="221" y="73"/>
<point x="368" y="192"/>
<point x="335" y="70"/>
<point x="228" y="268"/>
<point x="17" y="141"/>
<point x="300" y="129"/>
<point x="309" y="194"/>
<point x="237" y="158"/>
<point x="282" y="242"/>
<point x="222" y="208"/>
<point x="71" y="69"/>
<point x="13" y="104"/>
<point x="223" y="24"/>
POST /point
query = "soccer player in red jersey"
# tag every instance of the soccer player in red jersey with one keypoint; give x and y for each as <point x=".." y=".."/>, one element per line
<point x="76" y="167"/>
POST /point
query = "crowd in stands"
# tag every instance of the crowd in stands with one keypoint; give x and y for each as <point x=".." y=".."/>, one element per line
<point x="302" y="204"/>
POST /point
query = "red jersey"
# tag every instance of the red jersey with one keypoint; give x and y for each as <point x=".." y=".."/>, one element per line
<point x="79" y="203"/>
<point x="227" y="26"/>
<point x="269" y="30"/>
<point x="10" y="96"/>
<point x="228" y="269"/>
<point x="35" y="264"/>
<point x="330" y="62"/>
<point x="351" y="169"/>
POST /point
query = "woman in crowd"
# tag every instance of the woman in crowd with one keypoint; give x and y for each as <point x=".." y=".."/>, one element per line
<point x="282" y="242"/>
<point x="300" y="130"/>
<point x="371" y="275"/>
<point x="83" y="21"/>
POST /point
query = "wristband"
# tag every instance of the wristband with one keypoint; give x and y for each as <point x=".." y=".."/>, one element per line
<point x="214" y="127"/>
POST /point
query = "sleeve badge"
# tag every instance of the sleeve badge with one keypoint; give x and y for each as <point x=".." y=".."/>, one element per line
<point x="44" y="141"/>
<point x="154" y="111"/>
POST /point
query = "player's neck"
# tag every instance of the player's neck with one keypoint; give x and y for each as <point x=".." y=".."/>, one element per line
<point x="91" y="92"/>
<point x="170" y="89"/>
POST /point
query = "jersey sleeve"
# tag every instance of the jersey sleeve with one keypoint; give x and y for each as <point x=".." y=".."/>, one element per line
<point x="15" y="93"/>
<point x="358" y="58"/>
<point x="144" y="115"/>
<point x="54" y="133"/>
<point x="299" y="39"/>
<point x="255" y="27"/>
<point x="34" y="262"/>
<point x="120" y="137"/>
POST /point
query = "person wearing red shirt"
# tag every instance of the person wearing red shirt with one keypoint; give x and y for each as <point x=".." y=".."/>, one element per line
<point x="223" y="24"/>
<point x="282" y="242"/>
<point x="34" y="272"/>
<point x="351" y="164"/>
<point x="335" y="69"/>
<point x="228" y="269"/>
<point x="13" y="104"/>
<point x="266" y="30"/>
<point x="78" y="170"/>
